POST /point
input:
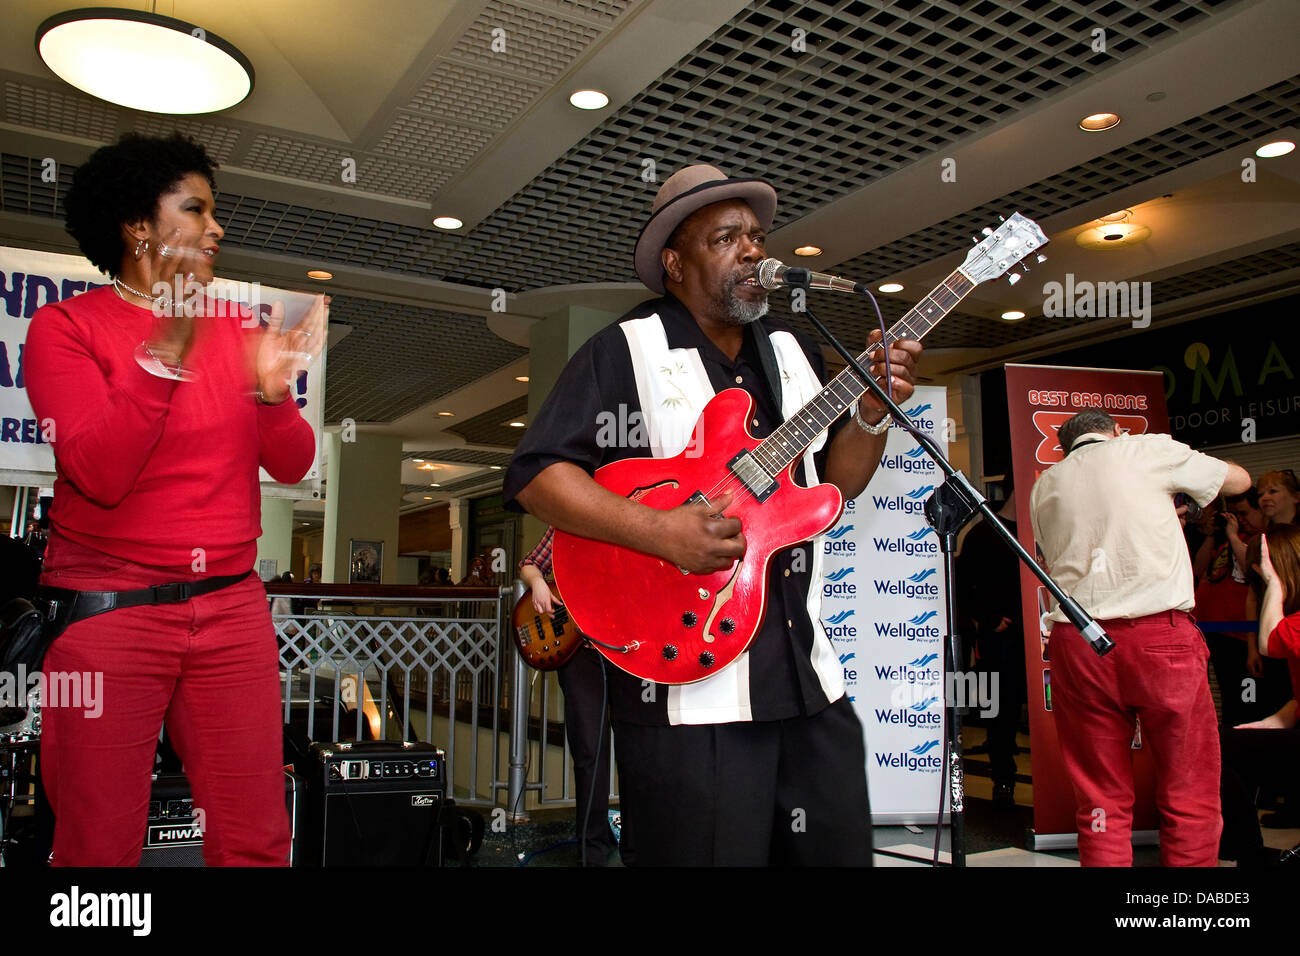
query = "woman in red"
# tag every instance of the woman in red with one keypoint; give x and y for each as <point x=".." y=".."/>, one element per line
<point x="161" y="407"/>
<point x="1266" y="751"/>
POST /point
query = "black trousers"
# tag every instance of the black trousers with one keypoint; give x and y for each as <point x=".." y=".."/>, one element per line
<point x="1252" y="758"/>
<point x="1270" y="691"/>
<point x="747" y="794"/>
<point x="587" y="729"/>
<point x="1004" y="655"/>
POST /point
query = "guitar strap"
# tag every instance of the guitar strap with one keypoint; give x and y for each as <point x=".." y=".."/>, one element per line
<point x="767" y="359"/>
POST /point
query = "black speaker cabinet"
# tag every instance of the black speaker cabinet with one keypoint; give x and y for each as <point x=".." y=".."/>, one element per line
<point x="374" y="803"/>
<point x="172" y="838"/>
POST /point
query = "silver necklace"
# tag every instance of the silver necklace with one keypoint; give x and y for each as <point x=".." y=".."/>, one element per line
<point x="144" y="295"/>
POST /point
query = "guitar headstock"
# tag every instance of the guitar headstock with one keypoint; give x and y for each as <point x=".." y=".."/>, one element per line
<point x="1002" y="248"/>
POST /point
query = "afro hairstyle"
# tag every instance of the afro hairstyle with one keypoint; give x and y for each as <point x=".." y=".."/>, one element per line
<point x="123" y="183"/>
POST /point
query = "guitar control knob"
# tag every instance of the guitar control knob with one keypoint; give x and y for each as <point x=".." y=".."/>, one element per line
<point x="670" y="652"/>
<point x="726" y="625"/>
<point x="689" y="619"/>
<point x="706" y="659"/>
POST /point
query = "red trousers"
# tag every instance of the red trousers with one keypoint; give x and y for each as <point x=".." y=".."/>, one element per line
<point x="1157" y="672"/>
<point x="209" y="667"/>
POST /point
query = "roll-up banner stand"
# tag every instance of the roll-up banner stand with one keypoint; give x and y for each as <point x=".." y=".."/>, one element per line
<point x="1040" y="399"/>
<point x="882" y="606"/>
<point x="30" y="279"/>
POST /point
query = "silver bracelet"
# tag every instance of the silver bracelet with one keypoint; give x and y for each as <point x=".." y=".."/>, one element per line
<point x="261" y="397"/>
<point x="879" y="428"/>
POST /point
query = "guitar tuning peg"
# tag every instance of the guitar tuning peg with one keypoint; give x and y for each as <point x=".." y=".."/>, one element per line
<point x="975" y="240"/>
<point x="987" y="231"/>
<point x="1001" y="219"/>
<point x="1042" y="258"/>
<point x="1013" y="278"/>
<point x="1024" y="267"/>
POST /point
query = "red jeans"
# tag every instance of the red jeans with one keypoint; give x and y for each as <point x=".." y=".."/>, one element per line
<point x="209" y="667"/>
<point x="1157" y="672"/>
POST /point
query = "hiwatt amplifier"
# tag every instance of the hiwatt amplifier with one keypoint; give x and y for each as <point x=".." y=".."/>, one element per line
<point x="374" y="803"/>
<point x="174" y="837"/>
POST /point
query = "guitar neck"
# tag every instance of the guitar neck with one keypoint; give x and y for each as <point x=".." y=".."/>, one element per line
<point x="793" y="436"/>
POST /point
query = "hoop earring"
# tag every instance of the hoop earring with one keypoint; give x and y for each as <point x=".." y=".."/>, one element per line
<point x="141" y="248"/>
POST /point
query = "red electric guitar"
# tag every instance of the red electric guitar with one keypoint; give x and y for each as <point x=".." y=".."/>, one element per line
<point x="686" y="627"/>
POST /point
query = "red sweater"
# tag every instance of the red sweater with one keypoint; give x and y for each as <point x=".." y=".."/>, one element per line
<point x="149" y="469"/>
<point x="1285" y="641"/>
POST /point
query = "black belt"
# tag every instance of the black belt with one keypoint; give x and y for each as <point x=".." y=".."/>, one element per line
<point x="64" y="606"/>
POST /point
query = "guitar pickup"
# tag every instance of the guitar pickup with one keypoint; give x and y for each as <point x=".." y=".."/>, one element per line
<point x="751" y="474"/>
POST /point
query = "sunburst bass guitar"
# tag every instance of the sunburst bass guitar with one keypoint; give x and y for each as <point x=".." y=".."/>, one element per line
<point x="691" y="626"/>
<point x="544" y="642"/>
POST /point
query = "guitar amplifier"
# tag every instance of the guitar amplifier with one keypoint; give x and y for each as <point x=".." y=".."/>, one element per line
<point x="375" y="803"/>
<point x="173" y="837"/>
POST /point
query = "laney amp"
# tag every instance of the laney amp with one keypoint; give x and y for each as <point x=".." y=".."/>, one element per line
<point x="375" y="803"/>
<point x="174" y="835"/>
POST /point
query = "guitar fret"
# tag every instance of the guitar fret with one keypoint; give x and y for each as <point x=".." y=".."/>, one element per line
<point x="788" y="441"/>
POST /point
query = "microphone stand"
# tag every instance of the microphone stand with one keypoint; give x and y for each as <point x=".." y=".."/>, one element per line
<point x="948" y="510"/>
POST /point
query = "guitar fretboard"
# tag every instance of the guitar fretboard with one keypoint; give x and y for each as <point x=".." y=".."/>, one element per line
<point x="789" y="440"/>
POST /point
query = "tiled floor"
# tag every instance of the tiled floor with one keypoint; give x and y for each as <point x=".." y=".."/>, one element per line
<point x="994" y="837"/>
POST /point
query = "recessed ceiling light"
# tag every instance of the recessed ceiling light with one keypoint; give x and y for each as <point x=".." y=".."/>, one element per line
<point x="135" y="59"/>
<point x="428" y="466"/>
<point x="521" y="378"/>
<point x="446" y="414"/>
<point x="1121" y="216"/>
<point x="808" y="251"/>
<point x="1280" y="148"/>
<point x="319" y="274"/>
<point x="448" y="222"/>
<point x="1113" y="235"/>
<point x="495" y="467"/>
<point x="418" y="461"/>
<point x="588" y="99"/>
<point x="1099" y="122"/>
<point x="434" y="484"/>
<point x="428" y="497"/>
<point x="1013" y="315"/>
<point x="516" y="424"/>
<point x="891" y="287"/>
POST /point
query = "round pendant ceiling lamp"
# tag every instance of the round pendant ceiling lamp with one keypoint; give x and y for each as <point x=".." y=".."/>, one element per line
<point x="144" y="61"/>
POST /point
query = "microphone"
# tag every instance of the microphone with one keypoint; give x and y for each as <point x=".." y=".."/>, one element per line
<point x="775" y="274"/>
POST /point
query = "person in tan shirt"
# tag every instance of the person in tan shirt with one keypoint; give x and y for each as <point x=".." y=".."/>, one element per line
<point x="1109" y="532"/>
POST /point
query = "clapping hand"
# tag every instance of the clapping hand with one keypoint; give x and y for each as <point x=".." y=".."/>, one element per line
<point x="1265" y="565"/>
<point x="282" y="355"/>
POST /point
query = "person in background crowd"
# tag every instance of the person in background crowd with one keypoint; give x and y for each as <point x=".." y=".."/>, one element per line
<point x="1203" y="528"/>
<point x="988" y="586"/>
<point x="1250" y="687"/>
<point x="586" y="717"/>
<point x="1106" y="522"/>
<point x="281" y="605"/>
<point x="1266" y="752"/>
<point x="306" y="605"/>
<point x="165" y="405"/>
<point x="1279" y="496"/>
<point x="477" y="575"/>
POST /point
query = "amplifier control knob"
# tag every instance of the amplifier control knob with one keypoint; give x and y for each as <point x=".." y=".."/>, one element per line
<point x="670" y="652"/>
<point x="726" y="625"/>
<point x="706" y="659"/>
<point x="689" y="619"/>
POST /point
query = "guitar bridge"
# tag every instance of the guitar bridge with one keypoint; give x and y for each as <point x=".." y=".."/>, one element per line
<point x="751" y="474"/>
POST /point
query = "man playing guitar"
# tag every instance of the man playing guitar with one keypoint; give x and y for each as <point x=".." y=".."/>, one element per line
<point x="763" y="761"/>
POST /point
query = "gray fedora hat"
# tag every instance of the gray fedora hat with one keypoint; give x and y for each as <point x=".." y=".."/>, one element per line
<point x="685" y="191"/>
